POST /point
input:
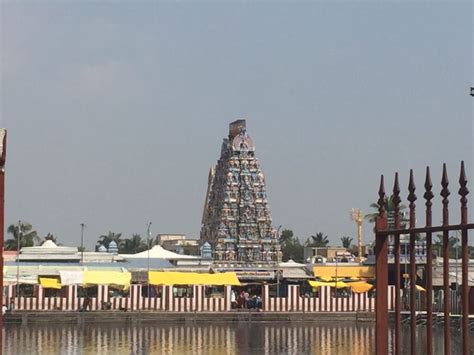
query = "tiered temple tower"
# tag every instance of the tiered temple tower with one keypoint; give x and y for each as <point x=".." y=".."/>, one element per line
<point x="237" y="221"/>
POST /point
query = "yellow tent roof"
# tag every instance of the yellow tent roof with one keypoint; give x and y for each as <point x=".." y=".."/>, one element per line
<point x="192" y="278"/>
<point x="338" y="284"/>
<point x="360" y="286"/>
<point x="50" y="282"/>
<point x="346" y="271"/>
<point x="114" y="278"/>
<point x="357" y="287"/>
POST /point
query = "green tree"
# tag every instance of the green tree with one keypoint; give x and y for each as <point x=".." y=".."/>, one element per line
<point x="79" y="249"/>
<point x="319" y="240"/>
<point x="133" y="245"/>
<point x="346" y="242"/>
<point x="389" y="206"/>
<point x="290" y="246"/>
<point x="27" y="239"/>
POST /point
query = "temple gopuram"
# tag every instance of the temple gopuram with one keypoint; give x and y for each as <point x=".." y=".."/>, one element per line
<point x="237" y="221"/>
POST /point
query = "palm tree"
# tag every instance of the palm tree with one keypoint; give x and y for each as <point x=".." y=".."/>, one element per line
<point x="27" y="239"/>
<point x="346" y="241"/>
<point x="389" y="206"/>
<point x="105" y="239"/>
<point x="134" y="245"/>
<point x="318" y="240"/>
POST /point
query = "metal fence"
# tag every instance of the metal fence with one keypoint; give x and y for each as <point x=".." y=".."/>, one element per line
<point x="384" y="231"/>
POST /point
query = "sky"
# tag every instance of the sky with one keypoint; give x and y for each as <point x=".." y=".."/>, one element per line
<point x="115" y="111"/>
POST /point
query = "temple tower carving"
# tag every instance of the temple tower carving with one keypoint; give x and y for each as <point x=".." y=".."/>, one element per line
<point x="237" y="220"/>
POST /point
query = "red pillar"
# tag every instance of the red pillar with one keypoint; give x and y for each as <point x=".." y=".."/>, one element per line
<point x="381" y="301"/>
<point x="3" y="151"/>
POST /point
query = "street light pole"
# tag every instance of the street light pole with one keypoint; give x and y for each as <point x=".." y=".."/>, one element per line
<point x="278" y="264"/>
<point x="82" y="244"/>
<point x="148" y="257"/>
<point x="337" y="300"/>
<point x="3" y="150"/>
<point x="18" y="241"/>
<point x="457" y="256"/>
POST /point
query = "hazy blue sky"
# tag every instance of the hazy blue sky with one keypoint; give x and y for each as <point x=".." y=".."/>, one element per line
<point x="116" y="112"/>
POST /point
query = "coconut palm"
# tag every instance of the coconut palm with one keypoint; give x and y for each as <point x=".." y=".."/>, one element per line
<point x="389" y="206"/>
<point x="318" y="240"/>
<point x="27" y="239"/>
<point x="134" y="245"/>
<point x="346" y="241"/>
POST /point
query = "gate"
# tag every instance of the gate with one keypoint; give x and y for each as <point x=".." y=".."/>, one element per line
<point x="385" y="230"/>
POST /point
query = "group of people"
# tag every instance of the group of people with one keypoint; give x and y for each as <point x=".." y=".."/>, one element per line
<point x="244" y="300"/>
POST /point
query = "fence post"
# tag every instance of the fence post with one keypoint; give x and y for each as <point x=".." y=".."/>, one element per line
<point x="381" y="257"/>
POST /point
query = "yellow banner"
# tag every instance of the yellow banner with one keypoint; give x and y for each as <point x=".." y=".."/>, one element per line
<point x="345" y="271"/>
<point x="111" y="278"/>
<point x="192" y="278"/>
<point x="49" y="282"/>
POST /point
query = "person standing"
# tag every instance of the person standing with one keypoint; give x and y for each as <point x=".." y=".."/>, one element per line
<point x="10" y="305"/>
<point x="233" y="300"/>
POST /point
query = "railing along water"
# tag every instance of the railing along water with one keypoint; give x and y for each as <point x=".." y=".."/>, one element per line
<point x="384" y="230"/>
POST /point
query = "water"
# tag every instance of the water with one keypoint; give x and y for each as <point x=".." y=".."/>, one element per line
<point x="241" y="338"/>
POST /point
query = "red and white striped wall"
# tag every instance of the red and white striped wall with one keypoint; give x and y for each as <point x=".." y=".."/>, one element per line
<point x="134" y="301"/>
<point x="325" y="302"/>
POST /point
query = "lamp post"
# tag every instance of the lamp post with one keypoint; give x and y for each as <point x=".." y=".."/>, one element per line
<point x="82" y="244"/>
<point x="18" y="242"/>
<point x="336" y="283"/>
<point x="278" y="263"/>
<point x="3" y="150"/>
<point x="148" y="256"/>
<point x="356" y="215"/>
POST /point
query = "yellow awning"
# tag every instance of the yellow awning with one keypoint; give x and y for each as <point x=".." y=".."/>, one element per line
<point x="50" y="282"/>
<point x="360" y="286"/>
<point x="338" y="284"/>
<point x="345" y="271"/>
<point x="111" y="278"/>
<point x="192" y="278"/>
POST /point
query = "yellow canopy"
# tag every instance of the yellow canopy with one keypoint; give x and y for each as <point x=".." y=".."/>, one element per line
<point x="345" y="271"/>
<point x="50" y="282"/>
<point x="192" y="278"/>
<point x="112" y="278"/>
<point x="360" y="286"/>
<point x="338" y="284"/>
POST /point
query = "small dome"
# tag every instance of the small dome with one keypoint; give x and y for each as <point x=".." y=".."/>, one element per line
<point x="102" y="249"/>
<point x="113" y="247"/>
<point x="49" y="244"/>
